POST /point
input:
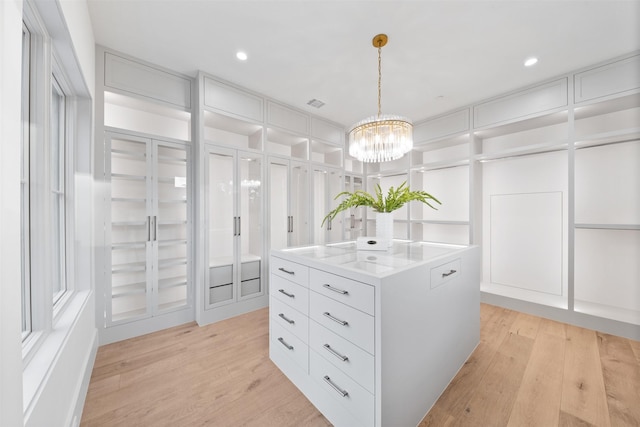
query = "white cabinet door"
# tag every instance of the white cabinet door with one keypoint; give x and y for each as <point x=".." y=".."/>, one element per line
<point x="234" y="225"/>
<point x="327" y="183"/>
<point x="147" y="228"/>
<point x="289" y="203"/>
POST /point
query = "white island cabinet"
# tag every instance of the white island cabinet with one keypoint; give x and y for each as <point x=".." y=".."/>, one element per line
<point x="373" y="338"/>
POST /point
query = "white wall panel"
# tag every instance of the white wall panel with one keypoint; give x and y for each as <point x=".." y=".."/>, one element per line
<point x="526" y="241"/>
<point x="608" y="184"/>
<point x="610" y="79"/>
<point x="608" y="268"/>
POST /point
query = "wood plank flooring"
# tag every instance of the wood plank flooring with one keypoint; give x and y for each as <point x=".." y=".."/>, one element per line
<point x="526" y="371"/>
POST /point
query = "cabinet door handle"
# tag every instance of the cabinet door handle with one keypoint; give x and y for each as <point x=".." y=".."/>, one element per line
<point x="287" y="271"/>
<point x="282" y="291"/>
<point x="148" y="229"/>
<point x="155" y="228"/>
<point x="449" y="273"/>
<point x="335" y="319"/>
<point x="284" y="343"/>
<point x="340" y="391"/>
<point x="335" y="353"/>
<point x="291" y="223"/>
<point x="235" y="227"/>
<point x="331" y="288"/>
<point x="239" y="226"/>
<point x="289" y="321"/>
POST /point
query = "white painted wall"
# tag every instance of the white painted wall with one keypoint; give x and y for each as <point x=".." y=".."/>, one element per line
<point x="57" y="397"/>
<point x="10" y="335"/>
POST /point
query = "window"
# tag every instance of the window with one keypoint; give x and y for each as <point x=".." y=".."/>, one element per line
<point x="47" y="112"/>
<point x="57" y="143"/>
<point x="24" y="183"/>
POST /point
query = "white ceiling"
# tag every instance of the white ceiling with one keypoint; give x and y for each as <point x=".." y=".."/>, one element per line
<point x="441" y="55"/>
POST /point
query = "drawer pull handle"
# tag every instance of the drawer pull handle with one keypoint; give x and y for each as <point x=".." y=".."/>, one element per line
<point x="331" y="288"/>
<point x="282" y="291"/>
<point x="335" y="319"/>
<point x="289" y="321"/>
<point x="283" y="342"/>
<point x="449" y="273"/>
<point x="284" y="270"/>
<point x="342" y="392"/>
<point x="335" y="353"/>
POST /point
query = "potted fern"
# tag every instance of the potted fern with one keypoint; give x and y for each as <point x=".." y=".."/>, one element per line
<point x="382" y="205"/>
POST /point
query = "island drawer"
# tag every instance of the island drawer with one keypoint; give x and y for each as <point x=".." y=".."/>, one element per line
<point x="293" y="271"/>
<point x="445" y="272"/>
<point x="346" y="392"/>
<point x="291" y="345"/>
<point x="289" y="318"/>
<point x="290" y="293"/>
<point x="349" y="323"/>
<point x="343" y="354"/>
<point x="350" y="292"/>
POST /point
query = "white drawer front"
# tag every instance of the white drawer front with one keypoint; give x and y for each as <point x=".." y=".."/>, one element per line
<point x="290" y="319"/>
<point x="349" y="358"/>
<point x="290" y="293"/>
<point x="345" y="391"/>
<point x="290" y="270"/>
<point x="349" y="323"/>
<point x="350" y="292"/>
<point x="444" y="273"/>
<point x="291" y="345"/>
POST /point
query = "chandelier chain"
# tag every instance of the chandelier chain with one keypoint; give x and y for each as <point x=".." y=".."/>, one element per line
<point x="379" y="80"/>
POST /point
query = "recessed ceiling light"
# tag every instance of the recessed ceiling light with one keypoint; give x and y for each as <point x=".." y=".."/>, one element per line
<point x="530" y="61"/>
<point x="242" y="56"/>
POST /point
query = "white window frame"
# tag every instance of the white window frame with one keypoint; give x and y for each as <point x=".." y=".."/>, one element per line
<point x="42" y="307"/>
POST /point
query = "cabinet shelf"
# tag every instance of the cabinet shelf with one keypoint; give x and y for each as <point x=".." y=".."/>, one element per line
<point x="607" y="138"/>
<point x="169" y="159"/>
<point x="172" y="282"/>
<point x="129" y="223"/>
<point x="128" y="267"/>
<point x="453" y="163"/>
<point x="172" y="222"/>
<point x="129" y="245"/>
<point x="172" y="242"/>
<point x="166" y="263"/>
<point x="128" y="315"/>
<point x="172" y="201"/>
<point x="127" y="153"/>
<point x="430" y="221"/>
<point x="609" y="226"/>
<point x="128" y="290"/>
<point x="128" y="177"/>
<point x="523" y="151"/>
<point x="128" y="200"/>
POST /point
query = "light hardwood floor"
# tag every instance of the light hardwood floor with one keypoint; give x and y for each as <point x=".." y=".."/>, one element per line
<point x="526" y="371"/>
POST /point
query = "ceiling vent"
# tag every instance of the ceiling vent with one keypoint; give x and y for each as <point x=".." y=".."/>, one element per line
<point x="315" y="103"/>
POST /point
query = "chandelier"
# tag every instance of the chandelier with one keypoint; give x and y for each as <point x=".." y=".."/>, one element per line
<point x="383" y="137"/>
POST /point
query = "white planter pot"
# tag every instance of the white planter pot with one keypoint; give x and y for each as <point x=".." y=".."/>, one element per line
<point x="384" y="226"/>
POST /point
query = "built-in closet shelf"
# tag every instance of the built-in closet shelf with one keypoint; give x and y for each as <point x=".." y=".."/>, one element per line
<point x="127" y="316"/>
<point x="125" y="153"/>
<point x="453" y="163"/>
<point x="128" y="267"/>
<point x="523" y="151"/>
<point x="607" y="311"/>
<point x="606" y="138"/>
<point x="173" y="242"/>
<point x="128" y="177"/>
<point x="431" y="221"/>
<point x="171" y="282"/>
<point x="609" y="226"/>
<point x="166" y="263"/>
<point x="127" y="290"/>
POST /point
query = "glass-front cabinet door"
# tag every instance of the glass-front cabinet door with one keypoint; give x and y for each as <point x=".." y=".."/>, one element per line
<point x="147" y="229"/>
<point x="288" y="203"/>
<point x="327" y="184"/>
<point x="234" y="225"/>
<point x="353" y="224"/>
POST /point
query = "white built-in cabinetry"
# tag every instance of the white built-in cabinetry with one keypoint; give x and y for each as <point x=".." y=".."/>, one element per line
<point x="148" y="227"/>
<point x="144" y="161"/>
<point x="261" y="162"/>
<point x="234" y="215"/>
<point x="373" y="338"/>
<point x="546" y="180"/>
